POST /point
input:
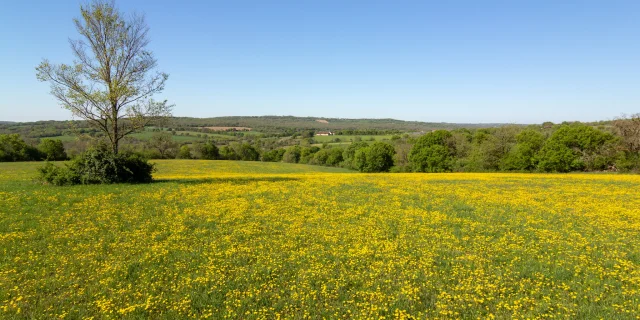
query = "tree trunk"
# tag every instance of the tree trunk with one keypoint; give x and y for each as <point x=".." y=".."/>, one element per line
<point x="114" y="142"/>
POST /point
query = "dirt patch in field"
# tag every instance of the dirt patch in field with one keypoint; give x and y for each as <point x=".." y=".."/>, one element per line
<point x="322" y="121"/>
<point x="228" y="128"/>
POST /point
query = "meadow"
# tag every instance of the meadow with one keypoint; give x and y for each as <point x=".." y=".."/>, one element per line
<point x="248" y="240"/>
<point x="351" y="138"/>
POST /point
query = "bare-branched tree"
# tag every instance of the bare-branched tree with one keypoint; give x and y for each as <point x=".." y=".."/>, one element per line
<point x="112" y="80"/>
<point x="628" y="128"/>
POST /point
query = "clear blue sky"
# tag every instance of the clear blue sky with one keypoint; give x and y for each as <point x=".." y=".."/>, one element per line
<point x="441" y="61"/>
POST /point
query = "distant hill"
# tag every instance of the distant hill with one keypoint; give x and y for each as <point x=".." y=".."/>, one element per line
<point x="280" y="125"/>
<point x="290" y="122"/>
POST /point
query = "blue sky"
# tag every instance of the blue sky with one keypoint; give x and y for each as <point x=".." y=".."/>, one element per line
<point x="438" y="61"/>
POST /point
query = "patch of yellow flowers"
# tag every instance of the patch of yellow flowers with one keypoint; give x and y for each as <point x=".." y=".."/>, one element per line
<point x="218" y="240"/>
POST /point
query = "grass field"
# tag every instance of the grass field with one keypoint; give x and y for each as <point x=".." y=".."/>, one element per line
<point x="346" y="138"/>
<point x="244" y="240"/>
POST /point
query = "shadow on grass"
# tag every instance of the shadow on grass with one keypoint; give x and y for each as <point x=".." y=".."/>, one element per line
<point x="234" y="180"/>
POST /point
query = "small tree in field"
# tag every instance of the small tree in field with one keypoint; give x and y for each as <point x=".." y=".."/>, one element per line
<point x="163" y="142"/>
<point x="112" y="79"/>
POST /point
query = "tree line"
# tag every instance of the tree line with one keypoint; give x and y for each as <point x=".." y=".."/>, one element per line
<point x="568" y="147"/>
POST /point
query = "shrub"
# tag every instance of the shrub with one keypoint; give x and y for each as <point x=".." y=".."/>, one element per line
<point x="99" y="166"/>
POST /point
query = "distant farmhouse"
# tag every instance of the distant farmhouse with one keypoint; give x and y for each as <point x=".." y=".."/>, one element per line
<point x="324" y="133"/>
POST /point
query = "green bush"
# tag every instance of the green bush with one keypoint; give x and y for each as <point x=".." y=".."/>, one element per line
<point x="99" y="166"/>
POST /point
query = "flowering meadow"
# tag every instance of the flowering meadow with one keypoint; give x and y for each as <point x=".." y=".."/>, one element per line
<point x="250" y="240"/>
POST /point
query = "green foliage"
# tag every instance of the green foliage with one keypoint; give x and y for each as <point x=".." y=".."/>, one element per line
<point x="575" y="147"/>
<point x="184" y="153"/>
<point x="320" y="157"/>
<point x="307" y="154"/>
<point x="99" y="166"/>
<point x="628" y="162"/>
<point x="164" y="143"/>
<point x="52" y="150"/>
<point x="523" y="157"/>
<point x="334" y="157"/>
<point x="378" y="157"/>
<point x="292" y="155"/>
<point x="350" y="152"/>
<point x="13" y="148"/>
<point x="274" y="155"/>
<point x="228" y="153"/>
<point x="433" y="152"/>
<point x="246" y="152"/>
<point x="208" y="151"/>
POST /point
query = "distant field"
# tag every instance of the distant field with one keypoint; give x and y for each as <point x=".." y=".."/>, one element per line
<point x="228" y="128"/>
<point x="64" y="138"/>
<point x="350" y="138"/>
<point x="249" y="240"/>
<point x="334" y="144"/>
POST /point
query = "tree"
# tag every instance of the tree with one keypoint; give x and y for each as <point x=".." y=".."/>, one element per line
<point x="228" y="153"/>
<point x="274" y="155"/>
<point x="208" y="151"/>
<point x="523" y="156"/>
<point x="350" y="152"/>
<point x="163" y="142"/>
<point x="184" y="153"/>
<point x="292" y="155"/>
<point x="52" y="149"/>
<point x="628" y="128"/>
<point x="433" y="152"/>
<point x="334" y="157"/>
<point x="575" y="147"/>
<point x="378" y="157"/>
<point x="13" y="148"/>
<point x="307" y="154"/>
<point x="319" y="157"/>
<point x="246" y="152"/>
<point x="112" y="82"/>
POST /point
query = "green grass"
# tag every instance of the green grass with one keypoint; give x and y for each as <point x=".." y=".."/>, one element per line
<point x="65" y="138"/>
<point x="350" y="138"/>
<point x="252" y="240"/>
